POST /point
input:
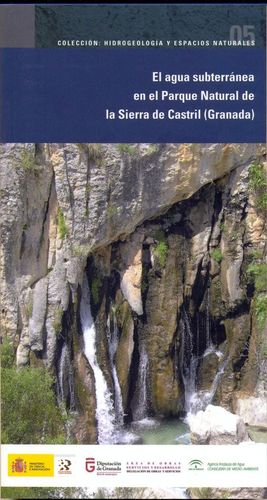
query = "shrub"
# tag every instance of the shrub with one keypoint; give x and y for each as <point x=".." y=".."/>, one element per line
<point x="42" y="492"/>
<point x="152" y="148"/>
<point x="161" y="248"/>
<point x="216" y="254"/>
<point x="57" y="322"/>
<point x="255" y="254"/>
<point x="128" y="149"/>
<point x="29" y="410"/>
<point x="257" y="272"/>
<point x="111" y="211"/>
<point x="27" y="161"/>
<point x="29" y="309"/>
<point x="95" y="153"/>
<point x="258" y="184"/>
<point x="81" y="250"/>
<point x="61" y="224"/>
<point x="261" y="201"/>
<point x="261" y="310"/>
<point x="257" y="176"/>
<point x="7" y="353"/>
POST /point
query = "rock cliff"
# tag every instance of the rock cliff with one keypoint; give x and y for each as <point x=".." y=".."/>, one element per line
<point x="172" y="240"/>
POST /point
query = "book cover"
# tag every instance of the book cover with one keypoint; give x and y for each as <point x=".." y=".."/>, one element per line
<point x="133" y="251"/>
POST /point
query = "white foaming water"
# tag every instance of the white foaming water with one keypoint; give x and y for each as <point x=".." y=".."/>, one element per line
<point x="201" y="399"/>
<point x="189" y="362"/>
<point x="113" y="340"/>
<point x="197" y="400"/>
<point x="145" y="423"/>
<point x="208" y="336"/>
<point x="140" y="407"/>
<point x="62" y="364"/>
<point x="105" y="413"/>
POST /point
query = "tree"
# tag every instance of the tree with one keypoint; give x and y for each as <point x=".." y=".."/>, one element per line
<point x="29" y="410"/>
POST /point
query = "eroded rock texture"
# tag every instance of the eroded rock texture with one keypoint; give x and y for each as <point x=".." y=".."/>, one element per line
<point x="165" y="235"/>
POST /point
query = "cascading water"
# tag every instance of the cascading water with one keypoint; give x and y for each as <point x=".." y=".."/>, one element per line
<point x="105" y="414"/>
<point x="189" y="361"/>
<point x="208" y="335"/>
<point x="140" y="403"/>
<point x="113" y="340"/>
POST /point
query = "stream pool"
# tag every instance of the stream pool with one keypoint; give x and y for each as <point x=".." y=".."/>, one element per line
<point x="167" y="431"/>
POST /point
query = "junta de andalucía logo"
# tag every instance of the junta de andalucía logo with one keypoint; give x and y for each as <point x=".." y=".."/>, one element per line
<point x="196" y="465"/>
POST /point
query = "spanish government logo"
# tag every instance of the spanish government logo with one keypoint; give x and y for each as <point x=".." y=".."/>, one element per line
<point x="31" y="465"/>
<point x="19" y="465"/>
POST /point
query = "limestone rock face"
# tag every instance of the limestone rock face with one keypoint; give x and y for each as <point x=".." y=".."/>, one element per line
<point x="105" y="192"/>
<point x="158" y="331"/>
<point x="131" y="253"/>
<point x="37" y="320"/>
<point x="85" y="425"/>
<point x="125" y="348"/>
<point x="216" y="425"/>
<point x="208" y="370"/>
<point x="165" y="234"/>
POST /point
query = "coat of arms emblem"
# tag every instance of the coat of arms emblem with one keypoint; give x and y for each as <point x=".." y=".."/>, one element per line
<point x="19" y="465"/>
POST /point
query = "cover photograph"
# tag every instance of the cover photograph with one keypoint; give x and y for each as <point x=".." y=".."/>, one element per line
<point x="133" y="270"/>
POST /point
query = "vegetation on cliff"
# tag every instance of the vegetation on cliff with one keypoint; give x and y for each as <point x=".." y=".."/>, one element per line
<point x="258" y="184"/>
<point x="29" y="410"/>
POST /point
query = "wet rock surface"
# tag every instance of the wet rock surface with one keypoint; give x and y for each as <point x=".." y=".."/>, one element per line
<point x="165" y="235"/>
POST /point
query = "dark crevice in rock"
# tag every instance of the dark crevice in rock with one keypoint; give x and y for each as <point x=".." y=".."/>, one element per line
<point x="200" y="285"/>
<point x="244" y="210"/>
<point x="239" y="309"/>
<point x="238" y="365"/>
<point x="146" y="268"/>
<point x="44" y="221"/>
<point x="39" y="154"/>
<point x="97" y="285"/>
<point x="71" y="195"/>
<point x="23" y="242"/>
<point x="113" y="286"/>
<point x="218" y="332"/>
<point x="64" y="370"/>
<point x="88" y="187"/>
<point x="133" y="377"/>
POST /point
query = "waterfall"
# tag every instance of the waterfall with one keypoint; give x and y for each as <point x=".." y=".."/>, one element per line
<point x="197" y="400"/>
<point x="105" y="413"/>
<point x="202" y="399"/>
<point x="208" y="336"/>
<point x="189" y="361"/>
<point x="140" y="400"/>
<point x="113" y="340"/>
